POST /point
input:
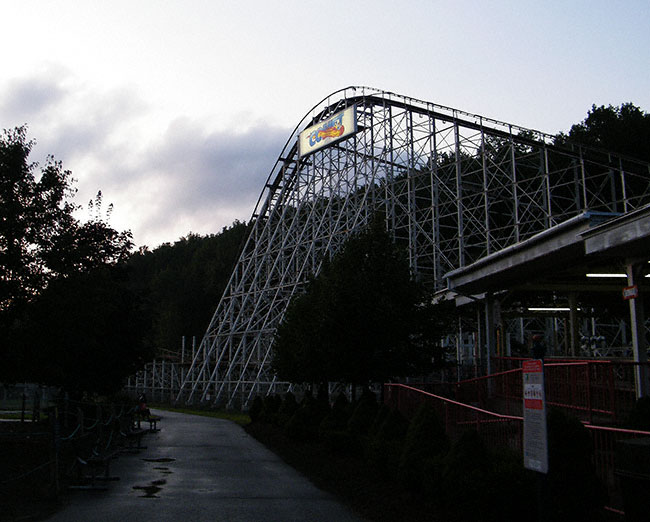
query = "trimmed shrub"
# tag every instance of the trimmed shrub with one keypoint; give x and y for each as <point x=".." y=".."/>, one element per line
<point x="573" y="490"/>
<point x="464" y="477"/>
<point x="380" y="417"/>
<point x="337" y="418"/>
<point x="639" y="418"/>
<point x="385" y="448"/>
<point x="363" y="414"/>
<point x="256" y="408"/>
<point x="272" y="404"/>
<point x="286" y="410"/>
<point x="303" y="424"/>
<point x="509" y="487"/>
<point x="424" y="446"/>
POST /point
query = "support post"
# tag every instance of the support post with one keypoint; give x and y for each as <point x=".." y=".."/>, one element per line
<point x="573" y="324"/>
<point x="637" y="323"/>
<point x="490" y="330"/>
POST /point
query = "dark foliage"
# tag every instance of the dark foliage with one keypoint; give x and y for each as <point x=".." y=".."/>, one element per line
<point x="465" y="473"/>
<point x="40" y="239"/>
<point x="363" y="414"/>
<point x="83" y="333"/>
<point x="183" y="283"/>
<point x="354" y="322"/>
<point x="337" y="418"/>
<point x="623" y="130"/>
<point x="385" y="447"/>
<point x="574" y="491"/>
<point x="303" y="424"/>
<point x="425" y="443"/>
<point x="639" y="418"/>
<point x="287" y="408"/>
<point x="255" y="411"/>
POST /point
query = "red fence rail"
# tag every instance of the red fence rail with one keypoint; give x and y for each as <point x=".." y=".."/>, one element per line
<point x="598" y="392"/>
<point x="495" y="428"/>
<point x="499" y="430"/>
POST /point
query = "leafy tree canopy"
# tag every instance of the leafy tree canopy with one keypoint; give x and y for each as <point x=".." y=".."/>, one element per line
<point x="623" y="130"/>
<point x="356" y="319"/>
<point x="62" y="310"/>
<point x="40" y="239"/>
<point x="183" y="282"/>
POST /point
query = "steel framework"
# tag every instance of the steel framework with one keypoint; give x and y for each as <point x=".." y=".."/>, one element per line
<point x="451" y="186"/>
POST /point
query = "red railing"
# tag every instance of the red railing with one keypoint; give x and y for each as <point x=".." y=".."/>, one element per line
<point x="507" y="430"/>
<point x="598" y="392"/>
<point x="495" y="428"/>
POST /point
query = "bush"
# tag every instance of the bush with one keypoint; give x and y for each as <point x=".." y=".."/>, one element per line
<point x="269" y="413"/>
<point x="464" y="477"/>
<point x="385" y="448"/>
<point x="337" y="418"/>
<point x="255" y="411"/>
<point x="363" y="414"/>
<point x="380" y="417"/>
<point x="639" y="418"/>
<point x="287" y="409"/>
<point x="573" y="490"/>
<point x="425" y="444"/>
<point x="303" y="424"/>
<point x="509" y="487"/>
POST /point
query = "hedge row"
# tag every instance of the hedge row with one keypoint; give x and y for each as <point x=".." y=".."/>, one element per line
<point x="463" y="477"/>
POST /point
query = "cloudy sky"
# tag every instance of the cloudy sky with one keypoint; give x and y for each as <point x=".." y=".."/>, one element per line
<point x="177" y="109"/>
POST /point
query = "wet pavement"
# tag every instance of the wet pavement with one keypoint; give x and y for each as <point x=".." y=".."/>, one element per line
<point x="199" y="468"/>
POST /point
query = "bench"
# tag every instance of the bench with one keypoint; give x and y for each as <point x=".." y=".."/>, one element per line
<point x="99" y="467"/>
<point x="151" y="419"/>
<point x="132" y="434"/>
<point x="97" y="464"/>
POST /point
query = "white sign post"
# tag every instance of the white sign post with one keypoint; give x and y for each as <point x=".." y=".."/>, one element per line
<point x="535" y="433"/>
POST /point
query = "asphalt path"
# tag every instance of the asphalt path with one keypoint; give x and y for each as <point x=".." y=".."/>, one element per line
<point x="199" y="468"/>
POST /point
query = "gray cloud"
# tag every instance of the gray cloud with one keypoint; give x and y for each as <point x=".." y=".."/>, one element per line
<point x="164" y="182"/>
<point x="24" y="99"/>
<point x="207" y="175"/>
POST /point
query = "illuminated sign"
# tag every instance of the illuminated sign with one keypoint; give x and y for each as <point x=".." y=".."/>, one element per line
<point x="324" y="133"/>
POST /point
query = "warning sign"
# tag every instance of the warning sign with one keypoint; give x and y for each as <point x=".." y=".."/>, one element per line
<point x="535" y="433"/>
<point x="630" y="292"/>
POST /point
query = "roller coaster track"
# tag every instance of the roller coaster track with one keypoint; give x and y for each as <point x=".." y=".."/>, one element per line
<point x="452" y="187"/>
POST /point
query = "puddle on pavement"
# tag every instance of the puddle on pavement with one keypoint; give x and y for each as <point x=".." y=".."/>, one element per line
<point x="151" y="490"/>
<point x="163" y="470"/>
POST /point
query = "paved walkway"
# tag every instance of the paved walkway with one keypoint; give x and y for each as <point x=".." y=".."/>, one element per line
<point x="199" y="468"/>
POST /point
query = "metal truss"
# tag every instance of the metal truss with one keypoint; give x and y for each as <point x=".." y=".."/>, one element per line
<point x="161" y="379"/>
<point x="452" y="187"/>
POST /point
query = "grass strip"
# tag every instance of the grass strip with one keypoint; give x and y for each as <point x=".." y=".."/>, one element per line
<point x="240" y="418"/>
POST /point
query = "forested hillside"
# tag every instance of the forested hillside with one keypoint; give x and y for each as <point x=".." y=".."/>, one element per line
<point x="182" y="283"/>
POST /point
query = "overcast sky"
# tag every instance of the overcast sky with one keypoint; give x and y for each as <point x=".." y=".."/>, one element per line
<point x="177" y="110"/>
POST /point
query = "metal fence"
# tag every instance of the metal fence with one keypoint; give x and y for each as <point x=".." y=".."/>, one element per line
<point x="25" y="401"/>
<point x="49" y="442"/>
<point x="498" y="430"/>
<point x="598" y="392"/>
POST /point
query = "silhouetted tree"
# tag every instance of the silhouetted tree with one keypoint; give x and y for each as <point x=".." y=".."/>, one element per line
<point x="183" y="282"/>
<point x="44" y="249"/>
<point x="355" y="321"/>
<point x="85" y="333"/>
<point x="40" y="239"/>
<point x="623" y="130"/>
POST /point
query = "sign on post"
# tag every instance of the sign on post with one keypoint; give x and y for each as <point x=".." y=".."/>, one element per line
<point x="535" y="433"/>
<point x="630" y="292"/>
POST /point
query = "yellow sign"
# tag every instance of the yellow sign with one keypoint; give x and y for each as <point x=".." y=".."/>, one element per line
<point x="333" y="129"/>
